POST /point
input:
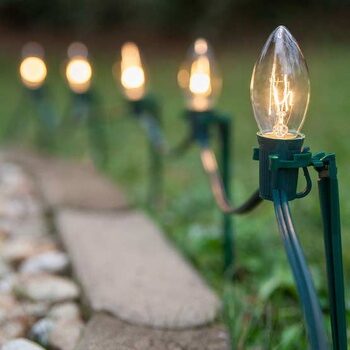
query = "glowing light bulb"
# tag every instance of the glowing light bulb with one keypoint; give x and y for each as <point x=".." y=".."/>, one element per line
<point x="132" y="74"/>
<point x="78" y="70"/>
<point x="33" y="70"/>
<point x="199" y="77"/>
<point x="280" y="87"/>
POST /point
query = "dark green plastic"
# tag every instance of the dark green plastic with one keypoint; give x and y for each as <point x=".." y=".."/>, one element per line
<point x="228" y="231"/>
<point x="283" y="150"/>
<point x="146" y="104"/>
<point x="278" y="166"/>
<point x="146" y="110"/>
<point x="47" y="117"/>
<point x="46" y="121"/>
<point x="85" y="107"/>
<point x="329" y="200"/>
<point x="302" y="276"/>
<point x="203" y="125"/>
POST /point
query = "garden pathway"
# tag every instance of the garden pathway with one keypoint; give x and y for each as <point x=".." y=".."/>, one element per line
<point x="139" y="291"/>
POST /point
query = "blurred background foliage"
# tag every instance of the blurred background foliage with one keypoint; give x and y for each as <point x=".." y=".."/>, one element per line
<point x="220" y="19"/>
<point x="261" y="304"/>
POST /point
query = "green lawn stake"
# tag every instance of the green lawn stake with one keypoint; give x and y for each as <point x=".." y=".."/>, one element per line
<point x="46" y="120"/>
<point x="200" y="81"/>
<point x="203" y="126"/>
<point x="85" y="109"/>
<point x="33" y="74"/>
<point x="85" y="105"/>
<point x="280" y="95"/>
<point x="146" y="111"/>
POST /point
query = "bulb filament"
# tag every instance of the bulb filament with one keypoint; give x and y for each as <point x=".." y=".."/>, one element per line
<point x="280" y="103"/>
<point x="132" y="73"/>
<point x="200" y="77"/>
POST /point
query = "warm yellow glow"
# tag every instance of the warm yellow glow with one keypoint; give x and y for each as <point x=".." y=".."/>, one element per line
<point x="132" y="73"/>
<point x="79" y="73"/>
<point x="183" y="78"/>
<point x="199" y="77"/>
<point x="200" y="83"/>
<point x="280" y="87"/>
<point x="33" y="72"/>
<point x="133" y="77"/>
<point x="280" y="103"/>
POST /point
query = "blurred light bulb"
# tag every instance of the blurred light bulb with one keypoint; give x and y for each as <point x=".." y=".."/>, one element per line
<point x="78" y="70"/>
<point x="199" y="77"/>
<point x="280" y="87"/>
<point x="77" y="49"/>
<point x="33" y="70"/>
<point x="132" y="74"/>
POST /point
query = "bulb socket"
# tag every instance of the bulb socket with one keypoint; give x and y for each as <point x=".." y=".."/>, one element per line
<point x="84" y="98"/>
<point x="147" y="104"/>
<point x="282" y="179"/>
<point x="200" y="122"/>
<point x="38" y="93"/>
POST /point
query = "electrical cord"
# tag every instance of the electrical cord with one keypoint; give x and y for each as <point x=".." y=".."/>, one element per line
<point x="211" y="168"/>
<point x="312" y="310"/>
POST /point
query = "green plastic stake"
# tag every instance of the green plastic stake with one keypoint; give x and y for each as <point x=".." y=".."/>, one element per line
<point x="228" y="230"/>
<point x="202" y="124"/>
<point x="85" y="105"/>
<point x="46" y="121"/>
<point x="329" y="200"/>
<point x="147" y="112"/>
<point x="281" y="162"/>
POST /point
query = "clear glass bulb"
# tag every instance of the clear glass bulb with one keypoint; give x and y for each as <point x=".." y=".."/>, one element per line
<point x="130" y="72"/>
<point x="199" y="77"/>
<point x="78" y="70"/>
<point x="33" y="69"/>
<point x="280" y="87"/>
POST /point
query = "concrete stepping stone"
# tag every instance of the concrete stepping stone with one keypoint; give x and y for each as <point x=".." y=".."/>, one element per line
<point x="127" y="268"/>
<point x="108" y="333"/>
<point x="66" y="183"/>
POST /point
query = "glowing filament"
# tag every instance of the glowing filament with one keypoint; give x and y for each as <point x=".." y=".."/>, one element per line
<point x="200" y="77"/>
<point x="79" y="73"/>
<point x="33" y="72"/>
<point x="133" y="77"/>
<point x="132" y="73"/>
<point x="280" y="87"/>
<point x="280" y="103"/>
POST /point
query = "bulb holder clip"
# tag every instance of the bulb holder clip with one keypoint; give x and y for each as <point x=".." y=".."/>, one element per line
<point x="36" y="93"/>
<point x="83" y="97"/>
<point x="279" y="163"/>
<point x="146" y="104"/>
<point x="201" y="122"/>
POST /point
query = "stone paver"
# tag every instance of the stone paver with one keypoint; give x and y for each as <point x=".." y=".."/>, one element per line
<point x="66" y="183"/>
<point x="128" y="268"/>
<point x="108" y="333"/>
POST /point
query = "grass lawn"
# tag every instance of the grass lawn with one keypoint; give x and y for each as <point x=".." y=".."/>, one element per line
<point x="262" y="308"/>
